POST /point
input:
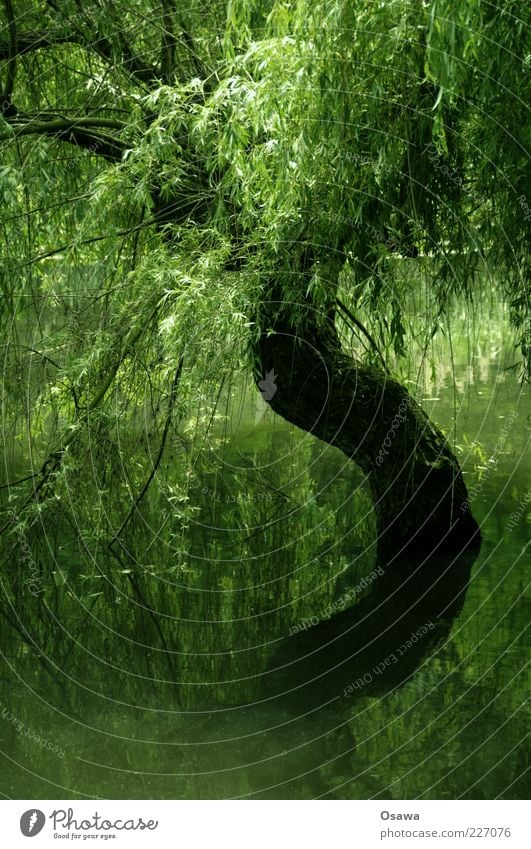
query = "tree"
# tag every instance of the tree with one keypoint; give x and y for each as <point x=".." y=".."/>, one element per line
<point x="265" y="181"/>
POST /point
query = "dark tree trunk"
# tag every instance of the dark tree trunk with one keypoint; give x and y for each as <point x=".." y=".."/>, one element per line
<point x="419" y="494"/>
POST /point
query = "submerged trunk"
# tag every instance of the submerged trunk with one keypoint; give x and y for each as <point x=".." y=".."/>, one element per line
<point x="420" y="498"/>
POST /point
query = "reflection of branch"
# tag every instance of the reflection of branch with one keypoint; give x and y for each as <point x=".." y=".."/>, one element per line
<point x="48" y="665"/>
<point x="158" y="458"/>
<point x="12" y="54"/>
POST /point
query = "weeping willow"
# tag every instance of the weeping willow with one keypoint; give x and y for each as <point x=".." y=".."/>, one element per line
<point x="181" y="188"/>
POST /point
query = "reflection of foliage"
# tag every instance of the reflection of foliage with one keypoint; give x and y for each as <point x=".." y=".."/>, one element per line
<point x="249" y="566"/>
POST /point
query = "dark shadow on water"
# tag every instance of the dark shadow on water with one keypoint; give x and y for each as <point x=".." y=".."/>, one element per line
<point x="377" y="645"/>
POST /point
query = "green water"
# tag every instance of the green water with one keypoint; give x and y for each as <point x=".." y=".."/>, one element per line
<point x="160" y="680"/>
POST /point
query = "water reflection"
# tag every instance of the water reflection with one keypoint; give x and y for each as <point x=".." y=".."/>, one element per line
<point x="377" y="645"/>
<point x="276" y="675"/>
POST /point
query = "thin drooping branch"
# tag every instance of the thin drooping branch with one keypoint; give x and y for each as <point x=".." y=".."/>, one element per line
<point x="11" y="56"/>
<point x="189" y="44"/>
<point x="157" y="219"/>
<point x="53" y="462"/>
<point x="357" y="323"/>
<point x="420" y="497"/>
<point x="28" y="42"/>
<point x="160" y="452"/>
<point x="169" y="42"/>
<point x="175" y="33"/>
<point x="135" y="65"/>
<point x="61" y="123"/>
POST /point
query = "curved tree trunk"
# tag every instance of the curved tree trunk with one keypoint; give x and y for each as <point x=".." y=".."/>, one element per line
<point x="419" y="494"/>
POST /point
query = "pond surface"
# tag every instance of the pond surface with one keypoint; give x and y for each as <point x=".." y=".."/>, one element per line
<point x="424" y="698"/>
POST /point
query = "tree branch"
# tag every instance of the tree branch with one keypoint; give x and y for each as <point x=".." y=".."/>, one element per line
<point x="12" y="55"/>
<point x="135" y="65"/>
<point x="169" y="42"/>
<point x="357" y="323"/>
<point x="59" y="123"/>
<point x="30" y="41"/>
<point x="189" y="44"/>
<point x="79" y="131"/>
